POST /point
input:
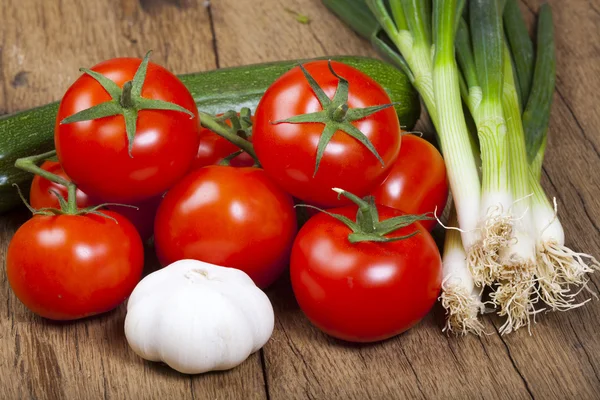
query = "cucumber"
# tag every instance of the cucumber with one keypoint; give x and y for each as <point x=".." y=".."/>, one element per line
<point x="32" y="131"/>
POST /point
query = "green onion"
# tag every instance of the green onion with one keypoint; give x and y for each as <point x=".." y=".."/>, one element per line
<point x="559" y="267"/>
<point x="486" y="33"/>
<point x="521" y="47"/>
<point x="536" y="116"/>
<point x="452" y="127"/>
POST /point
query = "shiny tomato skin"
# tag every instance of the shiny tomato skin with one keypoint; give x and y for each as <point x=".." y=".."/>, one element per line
<point x="417" y="182"/>
<point x="367" y="291"/>
<point x="213" y="148"/>
<point x="73" y="266"/>
<point x="288" y="151"/>
<point x="95" y="153"/>
<point x="234" y="217"/>
<point x="40" y="195"/>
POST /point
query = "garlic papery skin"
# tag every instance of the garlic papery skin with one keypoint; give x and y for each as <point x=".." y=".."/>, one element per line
<point x="198" y="317"/>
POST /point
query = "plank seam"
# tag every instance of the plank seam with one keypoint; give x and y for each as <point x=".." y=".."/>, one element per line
<point x="594" y="7"/>
<point x="587" y="355"/>
<point x="192" y="387"/>
<point x="512" y="360"/>
<point x="263" y="364"/>
<point x="213" y="33"/>
<point x="484" y="348"/>
<point x="4" y="107"/>
<point x="414" y="372"/>
<point x="582" y="131"/>
<point x="104" y="380"/>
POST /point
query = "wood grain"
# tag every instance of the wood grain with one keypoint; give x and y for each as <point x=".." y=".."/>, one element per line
<point x="42" y="44"/>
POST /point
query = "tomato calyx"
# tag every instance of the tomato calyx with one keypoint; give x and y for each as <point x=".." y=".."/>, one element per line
<point x="68" y="206"/>
<point x="238" y="133"/>
<point x="367" y="227"/>
<point x="336" y="115"/>
<point x="126" y="101"/>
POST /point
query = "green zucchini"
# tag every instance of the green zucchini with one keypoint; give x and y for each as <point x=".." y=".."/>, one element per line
<point x="32" y="131"/>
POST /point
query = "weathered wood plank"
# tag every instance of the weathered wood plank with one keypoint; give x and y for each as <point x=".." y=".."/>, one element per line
<point x="41" y="46"/>
<point x="250" y="31"/>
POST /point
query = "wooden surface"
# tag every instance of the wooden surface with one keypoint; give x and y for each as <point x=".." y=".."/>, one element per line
<point x="42" y="44"/>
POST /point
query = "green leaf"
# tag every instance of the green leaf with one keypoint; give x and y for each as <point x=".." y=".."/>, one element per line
<point x="536" y="117"/>
<point x="488" y="48"/>
<point x="324" y="100"/>
<point x="365" y="237"/>
<point x="341" y="93"/>
<point x="379" y="10"/>
<point x="303" y="19"/>
<point x="246" y="118"/>
<point x="398" y="15"/>
<point x="326" y="136"/>
<point x="106" y="109"/>
<point x="154" y="104"/>
<point x="402" y="221"/>
<point x="418" y="21"/>
<point x="387" y="51"/>
<point x="140" y="76"/>
<point x="343" y="219"/>
<point x="354" y="114"/>
<point x="319" y="116"/>
<point x="521" y="46"/>
<point x="111" y="87"/>
<point x="130" y="115"/>
<point x="61" y="200"/>
<point x="464" y="53"/>
<point x="358" y="135"/>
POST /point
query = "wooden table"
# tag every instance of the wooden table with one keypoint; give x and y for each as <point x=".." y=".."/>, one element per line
<point x="42" y="44"/>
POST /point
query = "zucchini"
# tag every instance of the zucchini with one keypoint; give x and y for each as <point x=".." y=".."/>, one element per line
<point x="32" y="131"/>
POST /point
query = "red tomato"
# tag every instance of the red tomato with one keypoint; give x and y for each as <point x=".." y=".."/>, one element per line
<point x="72" y="266"/>
<point x="288" y="151"/>
<point x="40" y="195"/>
<point x="234" y="217"/>
<point x="142" y="217"/>
<point x="95" y="153"/>
<point x="366" y="291"/>
<point x="213" y="148"/>
<point x="417" y="183"/>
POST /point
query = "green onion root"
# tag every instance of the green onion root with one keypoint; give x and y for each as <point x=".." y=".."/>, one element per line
<point x="460" y="298"/>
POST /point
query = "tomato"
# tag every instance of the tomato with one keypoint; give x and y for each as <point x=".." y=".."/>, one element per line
<point x="288" y="151"/>
<point x="234" y="217"/>
<point x="72" y="266"/>
<point x="41" y="196"/>
<point x="417" y="182"/>
<point x="141" y="217"/>
<point x="94" y="153"/>
<point x="366" y="291"/>
<point x="213" y="148"/>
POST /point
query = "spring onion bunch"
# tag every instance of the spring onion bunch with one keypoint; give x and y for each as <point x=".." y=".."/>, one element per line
<point x="558" y="268"/>
<point x="504" y="232"/>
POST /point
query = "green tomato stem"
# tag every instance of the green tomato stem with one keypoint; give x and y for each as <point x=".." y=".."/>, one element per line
<point x="29" y="164"/>
<point x="126" y="99"/>
<point x="220" y="128"/>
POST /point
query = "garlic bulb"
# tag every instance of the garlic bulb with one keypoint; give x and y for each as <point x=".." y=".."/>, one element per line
<point x="198" y="317"/>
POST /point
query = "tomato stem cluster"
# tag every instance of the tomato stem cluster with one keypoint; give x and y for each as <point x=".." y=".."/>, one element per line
<point x="336" y="115"/>
<point x="238" y="133"/>
<point x="126" y="101"/>
<point x="367" y="227"/>
<point x="68" y="206"/>
<point x="29" y="164"/>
